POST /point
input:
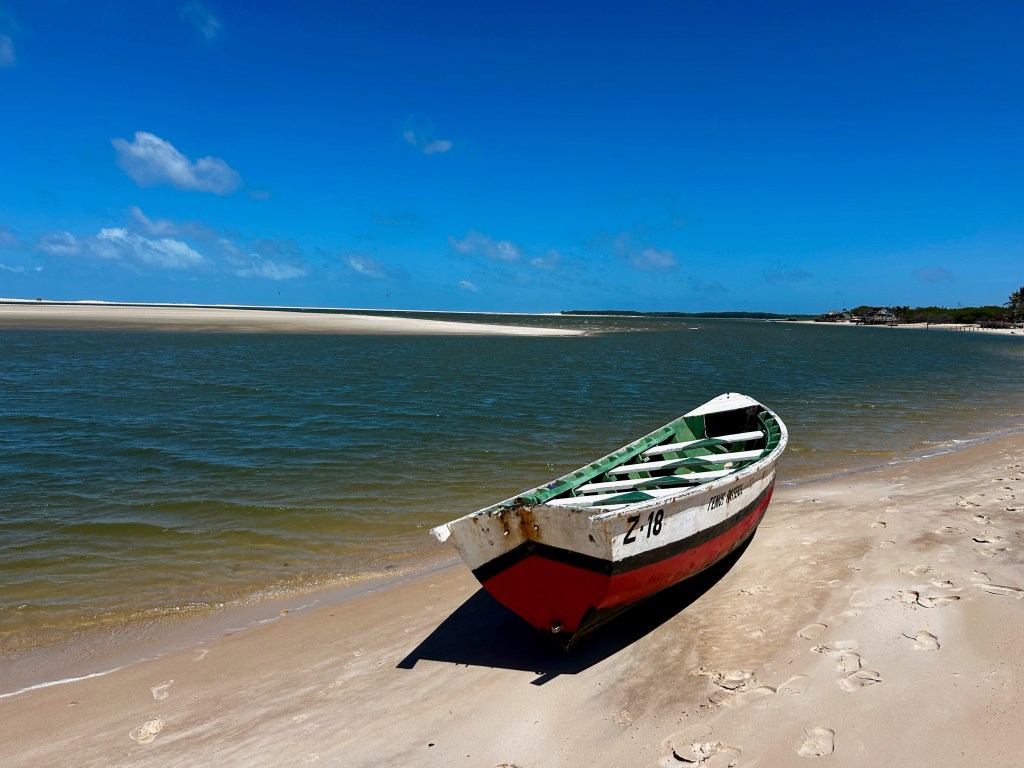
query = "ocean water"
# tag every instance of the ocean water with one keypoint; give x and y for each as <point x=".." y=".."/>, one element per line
<point x="146" y="476"/>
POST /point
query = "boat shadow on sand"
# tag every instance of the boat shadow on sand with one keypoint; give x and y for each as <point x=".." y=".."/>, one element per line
<point x="483" y="633"/>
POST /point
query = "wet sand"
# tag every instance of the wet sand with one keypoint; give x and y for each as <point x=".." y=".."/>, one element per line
<point x="873" y="620"/>
<point x="226" y="319"/>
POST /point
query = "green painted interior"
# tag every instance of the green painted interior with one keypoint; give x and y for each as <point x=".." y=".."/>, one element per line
<point x="694" y="458"/>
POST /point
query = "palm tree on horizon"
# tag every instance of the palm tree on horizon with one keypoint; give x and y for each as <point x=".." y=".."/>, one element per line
<point x="1016" y="304"/>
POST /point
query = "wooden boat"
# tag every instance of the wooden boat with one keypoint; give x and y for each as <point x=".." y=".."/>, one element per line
<point x="569" y="554"/>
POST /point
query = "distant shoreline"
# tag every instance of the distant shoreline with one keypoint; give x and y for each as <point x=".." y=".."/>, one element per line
<point x="101" y="315"/>
<point x="23" y="314"/>
<point x="959" y="327"/>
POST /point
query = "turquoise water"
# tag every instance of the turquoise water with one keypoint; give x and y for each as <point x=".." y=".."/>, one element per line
<point x="155" y="474"/>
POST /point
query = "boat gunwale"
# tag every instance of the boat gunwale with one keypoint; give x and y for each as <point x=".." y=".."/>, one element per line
<point x="625" y="453"/>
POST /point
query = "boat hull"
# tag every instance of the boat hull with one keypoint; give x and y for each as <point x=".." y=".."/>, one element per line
<point x="567" y="595"/>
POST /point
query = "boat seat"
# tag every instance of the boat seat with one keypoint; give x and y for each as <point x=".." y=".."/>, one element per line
<point x="690" y="461"/>
<point x="693" y="478"/>
<point x="598" y="498"/>
<point x="704" y="442"/>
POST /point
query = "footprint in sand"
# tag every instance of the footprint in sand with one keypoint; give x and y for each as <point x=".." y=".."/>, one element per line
<point x="836" y="647"/>
<point x="737" y="687"/>
<point x="937" y="602"/>
<point x="917" y="570"/>
<point x="796" y="685"/>
<point x="865" y="598"/>
<point x="991" y="551"/>
<point x="924" y="641"/>
<point x="693" y="746"/>
<point x="848" y="663"/>
<point x="859" y="679"/>
<point x="843" y="617"/>
<point x="740" y="697"/>
<point x="852" y="676"/>
<point x="951" y="530"/>
<point x="818" y="742"/>
<point x="987" y="537"/>
<point x="878" y="524"/>
<point x="979" y="576"/>
<point x="1002" y="589"/>
<point x="912" y="597"/>
<point x="161" y="692"/>
<point x="812" y="631"/>
<point x="148" y="731"/>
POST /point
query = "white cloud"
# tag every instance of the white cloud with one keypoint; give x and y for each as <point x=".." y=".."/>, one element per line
<point x="420" y="133"/>
<point x="255" y="265"/>
<point x="438" y="145"/>
<point x="284" y="263"/>
<point x="642" y="256"/>
<point x="59" y="244"/>
<point x="119" y="244"/>
<point x="653" y="258"/>
<point x="199" y="16"/>
<point x="365" y="265"/>
<point x="19" y="270"/>
<point x="478" y="244"/>
<point x="167" y="228"/>
<point x="549" y="260"/>
<point x="6" y="51"/>
<point x="149" y="160"/>
<point x="132" y="246"/>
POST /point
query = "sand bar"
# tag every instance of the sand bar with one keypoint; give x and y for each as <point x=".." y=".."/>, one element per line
<point x="874" y="620"/>
<point x="226" y="319"/>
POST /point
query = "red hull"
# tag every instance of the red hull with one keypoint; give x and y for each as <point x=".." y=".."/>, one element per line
<point x="566" y="598"/>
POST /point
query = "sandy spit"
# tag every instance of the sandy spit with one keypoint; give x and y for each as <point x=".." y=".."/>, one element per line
<point x="873" y="620"/>
<point x="184" y="318"/>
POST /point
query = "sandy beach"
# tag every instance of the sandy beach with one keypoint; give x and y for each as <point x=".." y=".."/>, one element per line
<point x="873" y="620"/>
<point x="185" y="318"/>
<point x="959" y="327"/>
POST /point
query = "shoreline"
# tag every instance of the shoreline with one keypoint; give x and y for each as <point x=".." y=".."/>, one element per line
<point x="163" y="317"/>
<point x="958" y="327"/>
<point x="860" y="601"/>
<point x="92" y="652"/>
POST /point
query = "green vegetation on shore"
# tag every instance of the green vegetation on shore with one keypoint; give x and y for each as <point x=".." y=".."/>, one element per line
<point x="1010" y="312"/>
<point x="958" y="315"/>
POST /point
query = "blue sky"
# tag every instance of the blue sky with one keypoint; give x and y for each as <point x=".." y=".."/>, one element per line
<point x="782" y="157"/>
